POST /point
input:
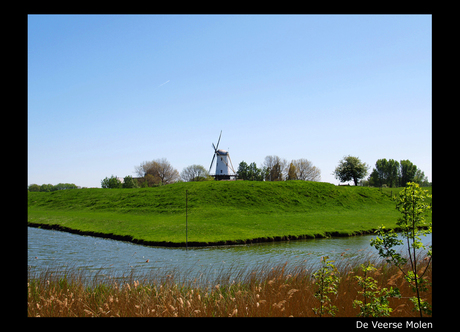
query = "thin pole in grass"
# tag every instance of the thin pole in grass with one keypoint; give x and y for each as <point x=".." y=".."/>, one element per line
<point x="186" y="220"/>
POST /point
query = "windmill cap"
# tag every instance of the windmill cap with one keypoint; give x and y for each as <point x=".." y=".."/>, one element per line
<point x="222" y="152"/>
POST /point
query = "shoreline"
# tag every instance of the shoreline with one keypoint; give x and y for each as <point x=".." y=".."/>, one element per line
<point x="167" y="244"/>
<point x="223" y="213"/>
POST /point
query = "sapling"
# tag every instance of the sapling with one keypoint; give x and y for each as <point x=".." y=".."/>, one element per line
<point x="326" y="282"/>
<point x="376" y="303"/>
<point x="411" y="202"/>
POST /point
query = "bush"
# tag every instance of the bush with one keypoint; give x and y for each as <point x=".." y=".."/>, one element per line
<point x="111" y="183"/>
<point x="129" y="182"/>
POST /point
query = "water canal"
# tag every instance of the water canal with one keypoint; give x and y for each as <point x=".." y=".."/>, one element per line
<point x="49" y="248"/>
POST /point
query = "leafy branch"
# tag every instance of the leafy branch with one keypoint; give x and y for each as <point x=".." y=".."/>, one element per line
<point x="411" y="202"/>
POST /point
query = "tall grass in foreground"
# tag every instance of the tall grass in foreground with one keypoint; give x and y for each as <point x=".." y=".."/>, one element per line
<point x="264" y="292"/>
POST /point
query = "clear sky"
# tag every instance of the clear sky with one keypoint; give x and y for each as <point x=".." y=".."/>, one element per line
<point x="107" y="92"/>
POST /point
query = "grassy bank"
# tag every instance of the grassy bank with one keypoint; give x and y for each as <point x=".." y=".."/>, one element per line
<point x="268" y="291"/>
<point x="219" y="212"/>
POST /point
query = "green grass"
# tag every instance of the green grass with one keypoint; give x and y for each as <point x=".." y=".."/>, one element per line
<point x="219" y="212"/>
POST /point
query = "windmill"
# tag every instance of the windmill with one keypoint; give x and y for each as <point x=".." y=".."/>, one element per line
<point x="223" y="163"/>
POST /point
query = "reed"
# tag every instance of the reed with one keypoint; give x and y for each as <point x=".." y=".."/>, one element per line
<point x="266" y="291"/>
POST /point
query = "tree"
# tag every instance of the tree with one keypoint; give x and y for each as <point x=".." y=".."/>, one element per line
<point x="407" y="172"/>
<point x="151" y="181"/>
<point x="379" y="173"/>
<point x="194" y="173"/>
<point x="166" y="172"/>
<point x="265" y="173"/>
<point x="243" y="171"/>
<point x="413" y="205"/>
<point x="376" y="303"/>
<point x="374" y="179"/>
<point x="249" y="172"/>
<point x="393" y="173"/>
<point x="276" y="168"/>
<point x="160" y="169"/>
<point x="306" y="171"/>
<point x="326" y="282"/>
<point x="49" y="187"/>
<point x="34" y="187"/>
<point x="386" y="172"/>
<point x="46" y="187"/>
<point x="141" y="170"/>
<point x="420" y="178"/>
<point x="351" y="168"/>
<point x="64" y="186"/>
<point x="111" y="183"/>
<point x="255" y="173"/>
<point x="292" y="173"/>
<point x="129" y="182"/>
<point x="276" y="173"/>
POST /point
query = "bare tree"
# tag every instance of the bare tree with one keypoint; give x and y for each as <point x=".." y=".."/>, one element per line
<point x="194" y="173"/>
<point x="141" y="170"/>
<point x="306" y="171"/>
<point x="277" y="168"/>
<point x="160" y="169"/>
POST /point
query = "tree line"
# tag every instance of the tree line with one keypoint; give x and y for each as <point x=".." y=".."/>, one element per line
<point x="390" y="173"/>
<point x="160" y="172"/>
<point x="275" y="168"/>
<point x="50" y="187"/>
<point x="114" y="182"/>
<point x="396" y="174"/>
<point x="387" y="173"/>
<point x="150" y="174"/>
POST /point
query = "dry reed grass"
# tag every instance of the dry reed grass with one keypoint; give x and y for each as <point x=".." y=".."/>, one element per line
<point x="269" y="291"/>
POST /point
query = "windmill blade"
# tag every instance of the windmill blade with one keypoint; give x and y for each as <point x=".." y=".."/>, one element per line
<point x="227" y="164"/>
<point x="214" y="147"/>
<point x="231" y="164"/>
<point x="219" y="140"/>
<point x="212" y="163"/>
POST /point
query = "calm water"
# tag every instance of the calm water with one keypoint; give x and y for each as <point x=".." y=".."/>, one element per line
<point x="47" y="248"/>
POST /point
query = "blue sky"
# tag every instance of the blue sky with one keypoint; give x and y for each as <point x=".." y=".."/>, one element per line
<point x="107" y="92"/>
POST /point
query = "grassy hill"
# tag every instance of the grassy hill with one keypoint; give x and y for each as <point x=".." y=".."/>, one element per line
<point x="224" y="212"/>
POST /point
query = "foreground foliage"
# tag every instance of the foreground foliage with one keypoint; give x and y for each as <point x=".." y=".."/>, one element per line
<point x="376" y="300"/>
<point x="413" y="204"/>
<point x="326" y="282"/>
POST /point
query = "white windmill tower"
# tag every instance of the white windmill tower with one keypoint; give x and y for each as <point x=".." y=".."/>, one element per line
<point x="223" y="163"/>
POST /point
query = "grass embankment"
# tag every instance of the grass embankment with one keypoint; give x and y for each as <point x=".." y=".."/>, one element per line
<point x="218" y="212"/>
<point x="267" y="291"/>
